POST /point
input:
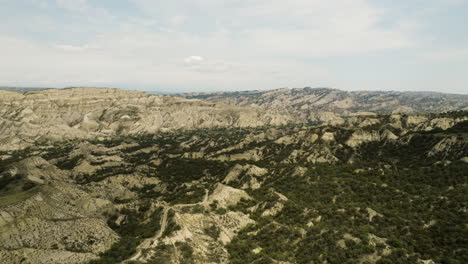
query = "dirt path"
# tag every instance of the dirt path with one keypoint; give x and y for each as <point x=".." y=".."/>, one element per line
<point x="163" y="227"/>
<point x="153" y="242"/>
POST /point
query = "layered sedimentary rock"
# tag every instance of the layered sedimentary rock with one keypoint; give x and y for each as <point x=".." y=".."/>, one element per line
<point x="325" y="104"/>
<point x="98" y="112"/>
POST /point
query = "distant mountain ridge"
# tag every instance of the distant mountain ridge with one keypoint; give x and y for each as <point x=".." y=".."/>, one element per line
<point x="312" y="103"/>
<point x="21" y="89"/>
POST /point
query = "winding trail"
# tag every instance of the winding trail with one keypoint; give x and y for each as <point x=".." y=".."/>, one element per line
<point x="163" y="227"/>
<point x="153" y="242"/>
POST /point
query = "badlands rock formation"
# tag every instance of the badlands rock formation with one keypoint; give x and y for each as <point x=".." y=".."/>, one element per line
<point x="57" y="114"/>
<point x="114" y="176"/>
<point x="324" y="104"/>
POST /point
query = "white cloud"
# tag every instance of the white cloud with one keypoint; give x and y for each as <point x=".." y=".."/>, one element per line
<point x="194" y="59"/>
<point x="308" y="27"/>
<point x="31" y="64"/>
<point x="72" y="48"/>
<point x="178" y="20"/>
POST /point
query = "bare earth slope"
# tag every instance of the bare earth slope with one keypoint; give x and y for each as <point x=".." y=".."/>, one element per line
<point x="96" y="112"/>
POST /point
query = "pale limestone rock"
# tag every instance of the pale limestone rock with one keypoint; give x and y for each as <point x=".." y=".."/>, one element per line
<point x="286" y="140"/>
<point x="428" y="261"/>
<point x="328" y="136"/>
<point x="194" y="155"/>
<point x="443" y="145"/>
<point x="249" y="174"/>
<point x="442" y="123"/>
<point x="369" y="122"/>
<point x="361" y="136"/>
<point x="281" y="197"/>
<point x="375" y="240"/>
<point x="372" y="213"/>
<point x="299" y="171"/>
<point x="191" y="232"/>
<point x="226" y="195"/>
<point x="416" y="120"/>
<point x="256" y="250"/>
<point x="387" y="134"/>
<point x="363" y="113"/>
<point x="276" y="209"/>
<point x="431" y="223"/>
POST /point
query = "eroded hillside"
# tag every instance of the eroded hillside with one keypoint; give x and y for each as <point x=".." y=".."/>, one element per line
<point x="381" y="189"/>
<point x="325" y="104"/>
<point x="58" y="114"/>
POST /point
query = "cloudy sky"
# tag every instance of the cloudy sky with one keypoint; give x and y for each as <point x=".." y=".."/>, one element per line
<point x="215" y="45"/>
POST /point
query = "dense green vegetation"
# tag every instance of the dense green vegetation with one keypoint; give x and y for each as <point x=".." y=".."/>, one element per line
<point x="12" y="158"/>
<point x="171" y="225"/>
<point x="138" y="225"/>
<point x="68" y="164"/>
<point x="386" y="201"/>
<point x="418" y="206"/>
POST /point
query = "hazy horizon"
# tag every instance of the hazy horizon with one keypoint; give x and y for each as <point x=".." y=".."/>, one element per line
<point x="182" y="91"/>
<point x="214" y="46"/>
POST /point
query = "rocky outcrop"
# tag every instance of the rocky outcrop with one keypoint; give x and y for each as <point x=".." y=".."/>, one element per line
<point x="361" y="136"/>
<point x="226" y="196"/>
<point x="55" y="221"/>
<point x="249" y="176"/>
<point x="207" y="248"/>
<point x="56" y="224"/>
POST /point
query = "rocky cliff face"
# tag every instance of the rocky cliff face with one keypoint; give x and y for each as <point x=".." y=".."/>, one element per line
<point x="98" y="112"/>
<point x="324" y="104"/>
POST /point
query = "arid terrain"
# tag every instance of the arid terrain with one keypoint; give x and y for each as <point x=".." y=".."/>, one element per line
<point x="101" y="175"/>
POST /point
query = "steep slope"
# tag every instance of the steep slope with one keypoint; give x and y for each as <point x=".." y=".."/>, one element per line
<point x="324" y="104"/>
<point x="59" y="114"/>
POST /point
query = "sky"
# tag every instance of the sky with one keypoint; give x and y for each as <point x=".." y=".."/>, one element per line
<point x="221" y="45"/>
